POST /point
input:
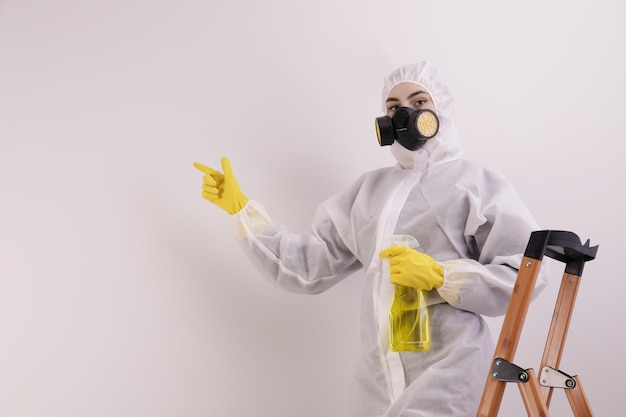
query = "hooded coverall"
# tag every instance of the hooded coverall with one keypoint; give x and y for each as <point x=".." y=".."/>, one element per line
<point x="463" y="214"/>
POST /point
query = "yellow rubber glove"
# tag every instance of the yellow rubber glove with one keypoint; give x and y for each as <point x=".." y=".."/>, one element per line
<point x="411" y="268"/>
<point x="222" y="189"/>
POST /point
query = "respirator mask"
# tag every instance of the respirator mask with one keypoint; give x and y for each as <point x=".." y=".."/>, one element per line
<point x="410" y="128"/>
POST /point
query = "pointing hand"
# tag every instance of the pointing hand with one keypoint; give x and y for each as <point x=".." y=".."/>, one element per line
<point x="222" y="189"/>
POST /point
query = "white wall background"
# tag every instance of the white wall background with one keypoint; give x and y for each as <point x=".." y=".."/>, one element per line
<point x="123" y="293"/>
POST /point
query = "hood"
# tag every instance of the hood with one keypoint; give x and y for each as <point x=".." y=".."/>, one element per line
<point x="445" y="146"/>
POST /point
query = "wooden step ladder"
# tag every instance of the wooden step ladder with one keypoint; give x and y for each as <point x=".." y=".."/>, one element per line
<point x="537" y="392"/>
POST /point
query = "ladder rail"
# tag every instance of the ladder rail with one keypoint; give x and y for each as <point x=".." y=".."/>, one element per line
<point x="510" y="334"/>
<point x="559" y="327"/>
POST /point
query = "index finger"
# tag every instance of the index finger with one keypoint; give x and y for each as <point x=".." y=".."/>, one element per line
<point x="205" y="169"/>
<point x="392" y="251"/>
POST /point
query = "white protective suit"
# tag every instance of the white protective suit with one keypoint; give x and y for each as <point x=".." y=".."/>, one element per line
<point x="464" y="215"/>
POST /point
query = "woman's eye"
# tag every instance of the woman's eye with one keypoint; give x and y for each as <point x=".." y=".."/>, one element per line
<point x="420" y="103"/>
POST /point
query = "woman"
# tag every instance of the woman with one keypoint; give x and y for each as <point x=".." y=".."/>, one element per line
<point x="471" y="228"/>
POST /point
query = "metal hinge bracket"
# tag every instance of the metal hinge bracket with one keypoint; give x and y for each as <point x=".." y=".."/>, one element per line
<point x="502" y="370"/>
<point x="556" y="379"/>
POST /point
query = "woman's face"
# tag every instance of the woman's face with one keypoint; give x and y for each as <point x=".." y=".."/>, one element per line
<point x="408" y="95"/>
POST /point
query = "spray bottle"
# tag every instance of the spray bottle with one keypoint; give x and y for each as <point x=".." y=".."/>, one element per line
<point x="409" y="323"/>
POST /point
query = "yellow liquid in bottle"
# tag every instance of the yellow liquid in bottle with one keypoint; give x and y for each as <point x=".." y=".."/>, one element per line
<point x="409" y="324"/>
